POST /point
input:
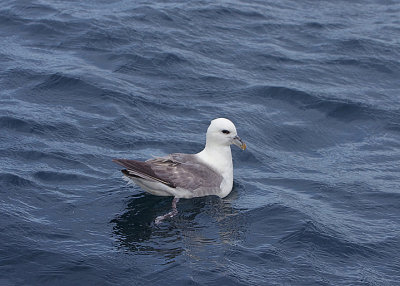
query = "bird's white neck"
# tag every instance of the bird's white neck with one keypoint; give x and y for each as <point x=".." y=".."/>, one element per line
<point x="218" y="157"/>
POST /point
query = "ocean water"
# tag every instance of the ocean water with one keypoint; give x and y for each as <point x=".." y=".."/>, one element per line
<point x="312" y="86"/>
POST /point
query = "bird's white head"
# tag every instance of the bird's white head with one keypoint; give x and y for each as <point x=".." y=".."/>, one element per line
<point x="222" y="132"/>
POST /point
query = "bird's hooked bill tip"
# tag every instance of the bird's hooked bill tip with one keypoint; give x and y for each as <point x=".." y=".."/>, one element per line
<point x="239" y="142"/>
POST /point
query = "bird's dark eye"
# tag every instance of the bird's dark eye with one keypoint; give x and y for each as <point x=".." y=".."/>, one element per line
<point x="225" y="131"/>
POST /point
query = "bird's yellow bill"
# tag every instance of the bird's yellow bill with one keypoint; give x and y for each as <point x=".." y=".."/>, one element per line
<point x="239" y="142"/>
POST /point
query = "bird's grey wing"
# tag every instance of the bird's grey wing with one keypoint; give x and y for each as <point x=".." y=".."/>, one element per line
<point x="177" y="171"/>
<point x="187" y="172"/>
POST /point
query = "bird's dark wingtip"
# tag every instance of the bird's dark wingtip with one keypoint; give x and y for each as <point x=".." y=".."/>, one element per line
<point x="129" y="175"/>
<point x="118" y="161"/>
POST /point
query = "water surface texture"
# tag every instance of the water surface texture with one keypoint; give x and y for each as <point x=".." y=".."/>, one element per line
<point x="312" y="86"/>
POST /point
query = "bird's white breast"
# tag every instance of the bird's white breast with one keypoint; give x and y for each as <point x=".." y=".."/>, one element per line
<point x="220" y="160"/>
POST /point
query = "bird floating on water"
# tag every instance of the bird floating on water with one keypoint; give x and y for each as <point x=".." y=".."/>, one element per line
<point x="209" y="172"/>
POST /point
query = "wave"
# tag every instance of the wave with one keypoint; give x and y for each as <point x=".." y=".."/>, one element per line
<point x="56" y="129"/>
<point x="63" y="159"/>
<point x="311" y="235"/>
<point x="340" y="109"/>
<point x="13" y="180"/>
<point x="218" y="12"/>
<point x="60" y="81"/>
<point x="62" y="177"/>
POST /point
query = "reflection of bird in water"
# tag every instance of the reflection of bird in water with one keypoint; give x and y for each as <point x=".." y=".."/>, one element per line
<point x="209" y="172"/>
<point x="134" y="232"/>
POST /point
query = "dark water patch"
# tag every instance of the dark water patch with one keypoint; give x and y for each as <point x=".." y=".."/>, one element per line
<point x="135" y="229"/>
<point x="218" y="82"/>
<point x="320" y="26"/>
<point x="249" y="157"/>
<point x="58" y="129"/>
<point x="101" y="39"/>
<point x="47" y="30"/>
<point x="327" y="241"/>
<point x="32" y="10"/>
<point x="61" y="81"/>
<point x="51" y="158"/>
<point x="292" y="136"/>
<point x="339" y="109"/>
<point x="302" y="32"/>
<point x="150" y="14"/>
<point x="272" y="58"/>
<point x="19" y="78"/>
<point x="303" y="185"/>
<point x="17" y="124"/>
<point x="394" y="125"/>
<point x="8" y="180"/>
<point x="167" y="58"/>
<point x="217" y="12"/>
<point x="50" y="235"/>
<point x="369" y="66"/>
<point x="39" y="23"/>
<point x="53" y="28"/>
<point x="10" y="22"/>
<point x="50" y="266"/>
<point x="5" y="59"/>
<point x="364" y="47"/>
<point x="292" y="96"/>
<point x="61" y="177"/>
<point x="81" y="95"/>
<point x="347" y="111"/>
<point x="383" y="204"/>
<point x="47" y="92"/>
<point x="159" y="65"/>
<point x="358" y="198"/>
<point x="212" y="208"/>
<point x="136" y="225"/>
<point x="266" y="225"/>
<point x="385" y="247"/>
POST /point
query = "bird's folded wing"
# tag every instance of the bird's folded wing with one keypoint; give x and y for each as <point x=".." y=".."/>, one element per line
<point x="175" y="170"/>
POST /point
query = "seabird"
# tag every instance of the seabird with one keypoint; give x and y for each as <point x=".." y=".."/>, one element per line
<point x="209" y="172"/>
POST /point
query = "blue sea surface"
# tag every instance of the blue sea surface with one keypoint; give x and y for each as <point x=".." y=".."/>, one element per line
<point x="312" y="86"/>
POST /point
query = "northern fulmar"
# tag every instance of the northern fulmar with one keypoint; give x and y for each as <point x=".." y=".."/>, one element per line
<point x="209" y="172"/>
